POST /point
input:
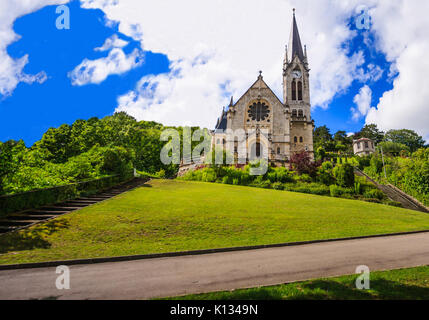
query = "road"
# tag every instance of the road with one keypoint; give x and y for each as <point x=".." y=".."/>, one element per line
<point x="162" y="277"/>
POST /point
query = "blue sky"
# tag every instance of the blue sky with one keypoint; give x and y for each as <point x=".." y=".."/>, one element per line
<point x="31" y="108"/>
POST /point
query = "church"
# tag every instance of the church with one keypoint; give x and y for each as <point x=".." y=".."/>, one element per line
<point x="273" y="129"/>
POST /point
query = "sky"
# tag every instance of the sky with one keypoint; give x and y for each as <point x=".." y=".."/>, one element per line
<point x="179" y="62"/>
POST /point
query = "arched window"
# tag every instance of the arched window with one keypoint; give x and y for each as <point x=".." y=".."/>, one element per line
<point x="301" y="140"/>
<point x="294" y="113"/>
<point x="293" y="90"/>
<point x="295" y="139"/>
<point x="299" y="90"/>
<point x="278" y="151"/>
<point x="300" y="113"/>
<point x="258" y="149"/>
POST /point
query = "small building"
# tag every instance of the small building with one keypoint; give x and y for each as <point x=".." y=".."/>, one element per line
<point x="363" y="147"/>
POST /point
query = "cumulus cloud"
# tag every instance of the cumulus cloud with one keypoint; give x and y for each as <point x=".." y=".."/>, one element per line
<point x="112" y="42"/>
<point x="363" y="103"/>
<point x="11" y="70"/>
<point x="236" y="39"/>
<point x="401" y="28"/>
<point x="96" y="71"/>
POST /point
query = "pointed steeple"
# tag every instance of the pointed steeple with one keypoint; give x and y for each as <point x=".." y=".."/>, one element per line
<point x="295" y="46"/>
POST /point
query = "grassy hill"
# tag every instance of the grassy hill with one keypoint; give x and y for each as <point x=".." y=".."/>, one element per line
<point x="170" y="215"/>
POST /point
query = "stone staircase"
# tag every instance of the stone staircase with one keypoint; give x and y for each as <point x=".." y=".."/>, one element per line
<point x="395" y="194"/>
<point x="28" y="218"/>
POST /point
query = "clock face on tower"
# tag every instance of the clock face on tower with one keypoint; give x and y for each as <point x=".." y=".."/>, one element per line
<point x="296" y="74"/>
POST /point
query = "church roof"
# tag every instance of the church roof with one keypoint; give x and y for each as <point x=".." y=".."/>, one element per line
<point x="295" y="46"/>
<point x="222" y="121"/>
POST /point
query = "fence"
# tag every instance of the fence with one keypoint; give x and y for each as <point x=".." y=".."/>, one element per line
<point x="42" y="197"/>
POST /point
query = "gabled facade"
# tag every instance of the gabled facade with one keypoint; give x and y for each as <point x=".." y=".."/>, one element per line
<point x="273" y="129"/>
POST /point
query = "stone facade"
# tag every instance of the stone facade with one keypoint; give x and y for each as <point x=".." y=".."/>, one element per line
<point x="363" y="147"/>
<point x="273" y="129"/>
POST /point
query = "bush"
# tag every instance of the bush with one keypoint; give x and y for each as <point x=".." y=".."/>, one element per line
<point x="344" y="174"/>
<point x="209" y="175"/>
<point x="303" y="165"/>
<point x="278" y="186"/>
<point x="283" y="175"/>
<point x="337" y="191"/>
<point x="374" y="194"/>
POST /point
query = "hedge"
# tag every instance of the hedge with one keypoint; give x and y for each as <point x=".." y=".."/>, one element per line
<point x="42" y="197"/>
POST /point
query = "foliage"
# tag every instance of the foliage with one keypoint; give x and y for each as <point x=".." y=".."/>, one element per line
<point x="405" y="137"/>
<point x="37" y="198"/>
<point x="409" y="174"/>
<point x="302" y="163"/>
<point x="394" y="148"/>
<point x="372" y="132"/>
<point x="344" y="175"/>
<point x="87" y="149"/>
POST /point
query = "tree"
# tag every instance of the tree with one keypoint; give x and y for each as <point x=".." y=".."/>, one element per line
<point x="405" y="137"/>
<point x="323" y="138"/>
<point x="372" y="132"/>
<point x="394" y="148"/>
<point x="302" y="163"/>
<point x="343" y="142"/>
<point x="345" y="176"/>
<point x="11" y="154"/>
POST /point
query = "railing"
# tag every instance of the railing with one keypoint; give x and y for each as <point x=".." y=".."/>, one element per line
<point x="42" y="197"/>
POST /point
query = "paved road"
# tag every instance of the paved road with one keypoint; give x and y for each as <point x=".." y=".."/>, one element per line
<point x="163" y="277"/>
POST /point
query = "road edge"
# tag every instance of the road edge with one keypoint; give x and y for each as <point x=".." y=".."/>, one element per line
<point x="190" y="253"/>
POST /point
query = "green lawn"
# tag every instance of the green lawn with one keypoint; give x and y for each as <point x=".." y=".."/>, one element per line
<point x="404" y="284"/>
<point x="170" y="215"/>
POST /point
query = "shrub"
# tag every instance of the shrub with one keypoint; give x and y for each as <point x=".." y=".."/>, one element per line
<point x="225" y="180"/>
<point x="303" y="165"/>
<point x="209" y="175"/>
<point x="278" y="186"/>
<point x="304" y="178"/>
<point x="283" y="175"/>
<point x="272" y="176"/>
<point x="374" y="194"/>
<point x="337" y="191"/>
<point x="344" y="174"/>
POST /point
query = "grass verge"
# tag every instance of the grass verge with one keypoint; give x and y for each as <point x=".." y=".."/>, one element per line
<point x="169" y="215"/>
<point x="404" y="284"/>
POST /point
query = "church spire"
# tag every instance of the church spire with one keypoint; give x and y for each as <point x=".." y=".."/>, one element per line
<point x="295" y="46"/>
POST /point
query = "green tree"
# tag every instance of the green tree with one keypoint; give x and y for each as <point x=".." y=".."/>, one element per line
<point x="323" y="138"/>
<point x="372" y="132"/>
<point x="344" y="174"/>
<point x="394" y="148"/>
<point x="406" y="137"/>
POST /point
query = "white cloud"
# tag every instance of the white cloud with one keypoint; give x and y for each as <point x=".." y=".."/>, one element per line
<point x="11" y="70"/>
<point x="363" y="103"/>
<point x="237" y="39"/>
<point x="401" y="28"/>
<point x="112" y="42"/>
<point x="96" y="71"/>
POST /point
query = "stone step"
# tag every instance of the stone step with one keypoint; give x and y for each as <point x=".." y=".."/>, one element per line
<point x="4" y="229"/>
<point x="88" y="202"/>
<point x="75" y="204"/>
<point x="16" y="223"/>
<point x="52" y="212"/>
<point x="30" y="217"/>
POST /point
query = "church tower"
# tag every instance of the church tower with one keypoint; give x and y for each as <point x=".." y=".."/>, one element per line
<point x="296" y="93"/>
